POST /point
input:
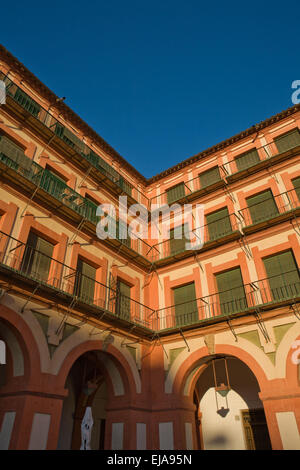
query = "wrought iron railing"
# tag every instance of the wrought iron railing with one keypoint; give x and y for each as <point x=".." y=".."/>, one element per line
<point x="198" y="238"/>
<point x="268" y="291"/>
<point x="227" y="169"/>
<point x="55" y="187"/>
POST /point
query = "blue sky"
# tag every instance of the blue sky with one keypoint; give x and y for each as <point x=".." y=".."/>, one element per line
<point x="161" y="80"/>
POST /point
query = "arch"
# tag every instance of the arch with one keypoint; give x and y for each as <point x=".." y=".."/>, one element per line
<point x="190" y="366"/>
<point x="26" y="341"/>
<point x="120" y="365"/>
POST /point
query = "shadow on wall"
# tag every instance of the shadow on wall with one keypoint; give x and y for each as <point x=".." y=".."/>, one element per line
<point x="231" y="422"/>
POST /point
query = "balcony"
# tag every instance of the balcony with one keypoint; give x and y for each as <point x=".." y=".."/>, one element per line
<point x="27" y="268"/>
<point x="30" y="268"/>
<point x="241" y="166"/>
<point x="189" y="190"/>
<point x="205" y="237"/>
<point x="63" y="139"/>
<point x="261" y="295"/>
<point x="271" y="211"/>
<point x="261" y="157"/>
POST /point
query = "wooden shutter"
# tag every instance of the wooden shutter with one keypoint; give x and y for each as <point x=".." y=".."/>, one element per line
<point x="13" y="152"/>
<point x="37" y="257"/>
<point x="283" y="275"/>
<point x="90" y="208"/>
<point x="209" y="177"/>
<point x="247" y="160"/>
<point x="287" y="141"/>
<point x="186" y="311"/>
<point x="125" y="185"/>
<point x="124" y="291"/>
<point x="218" y="224"/>
<point x="177" y="245"/>
<point x="262" y="206"/>
<point x="296" y="184"/>
<point x="53" y="184"/>
<point x="27" y="103"/>
<point x="231" y="291"/>
<point x="85" y="284"/>
<point x="175" y="193"/>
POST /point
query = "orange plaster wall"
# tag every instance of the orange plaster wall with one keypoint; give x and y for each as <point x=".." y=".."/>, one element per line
<point x="59" y="169"/>
<point x="239" y="261"/>
<point x="59" y="241"/>
<point x="99" y="263"/>
<point x="269" y="184"/>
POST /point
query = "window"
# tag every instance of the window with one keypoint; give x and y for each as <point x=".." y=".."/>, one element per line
<point x="287" y="141"/>
<point x="122" y="231"/>
<point x="125" y="185"/>
<point x="209" y="177"/>
<point x="123" y="304"/>
<point x="175" y="193"/>
<point x="69" y="137"/>
<point x="218" y="224"/>
<point x="247" y="160"/>
<point x="262" y="206"/>
<point x="177" y="245"/>
<point x="27" y="103"/>
<point x="296" y="184"/>
<point x="53" y="184"/>
<point x="13" y="152"/>
<point x="283" y="275"/>
<point x="231" y="290"/>
<point x="185" y="303"/>
<point x="85" y="281"/>
<point x="37" y="257"/>
<point x="91" y="208"/>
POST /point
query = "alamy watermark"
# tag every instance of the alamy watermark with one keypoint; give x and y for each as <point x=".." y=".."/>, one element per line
<point x="2" y="352"/>
<point x="134" y="222"/>
<point x="296" y="354"/>
<point x="2" y="92"/>
<point x="296" y="94"/>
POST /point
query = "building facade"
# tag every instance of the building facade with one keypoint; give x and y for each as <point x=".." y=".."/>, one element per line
<point x="171" y="348"/>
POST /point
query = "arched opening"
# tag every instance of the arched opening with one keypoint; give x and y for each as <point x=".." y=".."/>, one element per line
<point x="91" y="380"/>
<point x="230" y="414"/>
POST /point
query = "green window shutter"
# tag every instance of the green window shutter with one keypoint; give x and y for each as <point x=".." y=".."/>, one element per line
<point x="53" y="184"/>
<point x="85" y="281"/>
<point x="125" y="185"/>
<point x="27" y="103"/>
<point x="231" y="291"/>
<point x="287" y="141"/>
<point x="14" y="153"/>
<point x="177" y="245"/>
<point x="262" y="206"/>
<point x="296" y="184"/>
<point x="247" y="160"/>
<point x="218" y="224"/>
<point x="209" y="177"/>
<point x="123" y="307"/>
<point x="283" y="275"/>
<point x="175" y="193"/>
<point x="37" y="257"/>
<point x="185" y="303"/>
